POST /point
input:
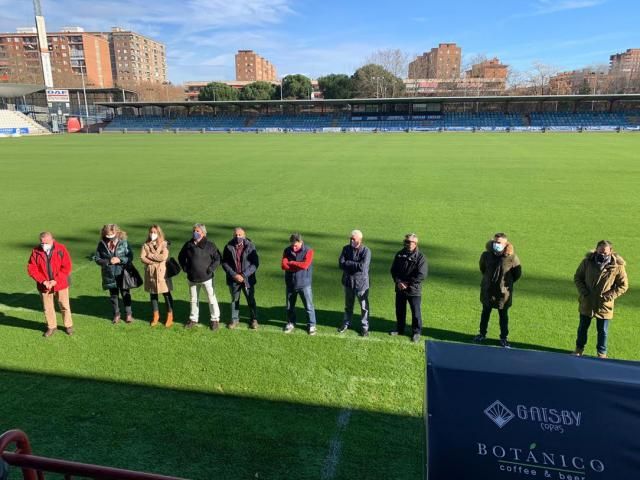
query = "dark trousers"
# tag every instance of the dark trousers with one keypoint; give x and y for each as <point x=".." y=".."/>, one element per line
<point x="401" y="312"/>
<point x="126" y="299"/>
<point x="168" y="300"/>
<point x="503" y="313"/>
<point x="249" y="295"/>
<point x="350" y="295"/>
<point x="602" y="326"/>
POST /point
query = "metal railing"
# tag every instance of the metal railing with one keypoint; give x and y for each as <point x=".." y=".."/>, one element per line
<point x="34" y="467"/>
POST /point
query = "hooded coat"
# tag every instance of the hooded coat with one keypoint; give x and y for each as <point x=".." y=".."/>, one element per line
<point x="499" y="273"/>
<point x="598" y="288"/>
<point x="112" y="273"/>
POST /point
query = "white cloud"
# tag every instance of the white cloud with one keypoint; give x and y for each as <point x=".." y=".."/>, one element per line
<point x="543" y="7"/>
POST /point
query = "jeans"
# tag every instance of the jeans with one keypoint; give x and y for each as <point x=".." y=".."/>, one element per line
<point x="115" y="303"/>
<point x="249" y="294"/>
<point x="194" y="293"/>
<point x="401" y="312"/>
<point x="168" y="300"/>
<point x="602" y="326"/>
<point x="350" y="295"/>
<point x="504" y="321"/>
<point x="307" y="300"/>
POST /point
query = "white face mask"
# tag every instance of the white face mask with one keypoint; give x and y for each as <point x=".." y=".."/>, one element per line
<point x="46" y="247"/>
<point x="154" y="237"/>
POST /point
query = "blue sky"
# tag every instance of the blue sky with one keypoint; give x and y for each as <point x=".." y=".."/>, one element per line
<point x="316" y="38"/>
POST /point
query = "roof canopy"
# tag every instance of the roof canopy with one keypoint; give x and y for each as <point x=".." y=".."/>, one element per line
<point x="14" y="90"/>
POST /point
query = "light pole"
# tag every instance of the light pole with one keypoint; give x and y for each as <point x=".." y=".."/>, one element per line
<point x="84" y="91"/>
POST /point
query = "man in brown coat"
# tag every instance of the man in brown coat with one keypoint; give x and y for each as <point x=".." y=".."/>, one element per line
<point x="600" y="279"/>
<point x="500" y="268"/>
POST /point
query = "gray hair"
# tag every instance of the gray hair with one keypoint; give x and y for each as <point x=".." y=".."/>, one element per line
<point x="411" y="236"/>
<point x="45" y="234"/>
<point x="202" y="227"/>
<point x="356" y="233"/>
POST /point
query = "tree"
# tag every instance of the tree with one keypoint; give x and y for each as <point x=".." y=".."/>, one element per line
<point x="539" y="76"/>
<point x="336" y="85"/>
<point x="258" y="91"/>
<point x="217" y="91"/>
<point x="296" y="86"/>
<point x="393" y="60"/>
<point x="154" y="91"/>
<point x="374" y="81"/>
<point x="472" y="60"/>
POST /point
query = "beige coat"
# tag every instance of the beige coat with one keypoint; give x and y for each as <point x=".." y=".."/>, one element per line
<point x="599" y="288"/>
<point x="154" y="259"/>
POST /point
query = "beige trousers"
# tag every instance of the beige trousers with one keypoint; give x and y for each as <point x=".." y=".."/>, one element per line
<point x="50" y="311"/>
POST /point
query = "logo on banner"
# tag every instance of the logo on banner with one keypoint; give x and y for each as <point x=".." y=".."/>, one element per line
<point x="61" y="96"/>
<point x="499" y="414"/>
<point x="549" y="419"/>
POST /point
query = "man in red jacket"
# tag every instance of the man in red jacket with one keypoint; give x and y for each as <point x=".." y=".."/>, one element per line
<point x="50" y="266"/>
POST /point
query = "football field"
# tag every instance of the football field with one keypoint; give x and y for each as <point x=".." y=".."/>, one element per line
<point x="238" y="404"/>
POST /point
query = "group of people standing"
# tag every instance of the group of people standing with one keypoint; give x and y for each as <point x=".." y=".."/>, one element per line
<point x="600" y="279"/>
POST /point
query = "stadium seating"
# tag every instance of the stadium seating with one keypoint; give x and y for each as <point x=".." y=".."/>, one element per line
<point x="16" y="122"/>
<point x="447" y="121"/>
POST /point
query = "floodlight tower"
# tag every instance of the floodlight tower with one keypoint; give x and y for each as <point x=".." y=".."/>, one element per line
<point x="43" y="44"/>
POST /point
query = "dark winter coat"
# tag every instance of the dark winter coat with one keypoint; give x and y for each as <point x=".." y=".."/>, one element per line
<point x="410" y="268"/>
<point x="199" y="260"/>
<point x="249" y="262"/>
<point x="499" y="273"/>
<point x="354" y="263"/>
<point x="112" y="274"/>
<point x="599" y="288"/>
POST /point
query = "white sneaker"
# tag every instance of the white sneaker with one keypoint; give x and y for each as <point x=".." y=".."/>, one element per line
<point x="312" y="330"/>
<point x="288" y="328"/>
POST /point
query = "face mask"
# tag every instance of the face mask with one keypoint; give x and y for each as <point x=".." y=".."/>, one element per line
<point x="602" y="258"/>
<point x="110" y="237"/>
<point x="197" y="235"/>
<point x="154" y="237"/>
<point x="498" y="247"/>
<point x="354" y="244"/>
<point x="46" y="247"/>
<point x="239" y="240"/>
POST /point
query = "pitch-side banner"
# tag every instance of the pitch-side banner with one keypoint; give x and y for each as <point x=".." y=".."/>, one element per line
<point x="515" y="414"/>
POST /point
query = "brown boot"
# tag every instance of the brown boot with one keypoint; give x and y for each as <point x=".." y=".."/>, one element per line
<point x="156" y="318"/>
<point x="169" y="321"/>
<point x="602" y="355"/>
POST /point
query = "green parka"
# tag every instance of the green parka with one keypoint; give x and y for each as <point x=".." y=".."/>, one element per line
<point x="111" y="273"/>
<point x="598" y="288"/>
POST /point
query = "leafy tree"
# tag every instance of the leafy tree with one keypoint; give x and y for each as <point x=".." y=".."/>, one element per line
<point x="374" y="81"/>
<point x="336" y="85"/>
<point x="216" y="91"/>
<point x="258" y="91"/>
<point x="296" y="86"/>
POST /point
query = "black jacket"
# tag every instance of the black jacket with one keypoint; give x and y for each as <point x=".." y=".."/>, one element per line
<point x="199" y="260"/>
<point x="249" y="262"/>
<point x="410" y="268"/>
<point x="354" y="263"/>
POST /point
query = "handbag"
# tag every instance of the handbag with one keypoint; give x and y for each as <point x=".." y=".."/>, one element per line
<point x="131" y="277"/>
<point x="173" y="268"/>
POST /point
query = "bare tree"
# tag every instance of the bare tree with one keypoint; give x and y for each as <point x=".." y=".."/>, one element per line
<point x="471" y="60"/>
<point x="393" y="60"/>
<point x="539" y="76"/>
<point x="155" y="92"/>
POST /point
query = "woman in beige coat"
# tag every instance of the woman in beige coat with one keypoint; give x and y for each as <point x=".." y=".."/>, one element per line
<point x="154" y="255"/>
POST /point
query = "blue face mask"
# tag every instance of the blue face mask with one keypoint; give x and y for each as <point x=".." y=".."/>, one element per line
<point x="197" y="236"/>
<point x="498" y="247"/>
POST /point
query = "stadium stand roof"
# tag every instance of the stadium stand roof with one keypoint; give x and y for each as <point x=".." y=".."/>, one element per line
<point x="14" y="90"/>
<point x="378" y="101"/>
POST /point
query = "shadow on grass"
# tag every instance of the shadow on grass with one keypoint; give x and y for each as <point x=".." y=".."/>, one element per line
<point x="205" y="435"/>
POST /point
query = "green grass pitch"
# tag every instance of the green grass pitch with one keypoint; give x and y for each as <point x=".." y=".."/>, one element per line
<point x="259" y="404"/>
